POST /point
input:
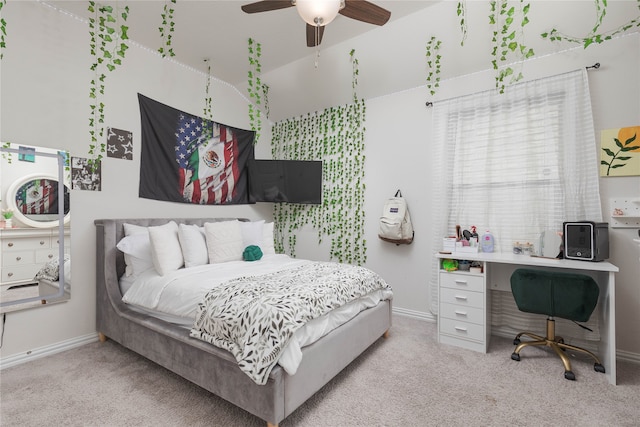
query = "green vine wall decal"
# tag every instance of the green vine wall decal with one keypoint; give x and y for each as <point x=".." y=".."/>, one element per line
<point x="354" y="74"/>
<point x="508" y="42"/>
<point x="3" y="29"/>
<point x="108" y="46"/>
<point x="265" y="95"/>
<point x="461" y="10"/>
<point x="208" y="110"/>
<point x="433" y="64"/>
<point x="335" y="136"/>
<point x="255" y="87"/>
<point x="167" y="28"/>
<point x="6" y="155"/>
<point x="594" y="37"/>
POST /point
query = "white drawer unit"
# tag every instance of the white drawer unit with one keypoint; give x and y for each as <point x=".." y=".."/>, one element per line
<point x="24" y="251"/>
<point x="462" y="281"/>
<point x="463" y="310"/>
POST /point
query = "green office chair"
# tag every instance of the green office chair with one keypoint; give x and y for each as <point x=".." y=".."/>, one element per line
<point x="566" y="295"/>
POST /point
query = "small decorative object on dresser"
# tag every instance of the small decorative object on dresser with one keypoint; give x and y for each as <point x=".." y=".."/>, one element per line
<point x="7" y="214"/>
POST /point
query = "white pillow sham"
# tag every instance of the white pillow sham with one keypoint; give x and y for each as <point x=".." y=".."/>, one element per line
<point x="136" y="248"/>
<point x="224" y="241"/>
<point x="194" y="245"/>
<point x="165" y="248"/>
<point x="268" y="247"/>
<point x="252" y="233"/>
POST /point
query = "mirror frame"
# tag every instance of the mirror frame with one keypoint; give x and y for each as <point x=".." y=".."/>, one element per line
<point x="60" y="296"/>
<point x="11" y="202"/>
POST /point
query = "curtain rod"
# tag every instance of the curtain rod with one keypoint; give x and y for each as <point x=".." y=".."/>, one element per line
<point x="594" y="67"/>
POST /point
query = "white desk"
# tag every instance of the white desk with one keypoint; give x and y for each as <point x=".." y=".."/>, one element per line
<point x="603" y="272"/>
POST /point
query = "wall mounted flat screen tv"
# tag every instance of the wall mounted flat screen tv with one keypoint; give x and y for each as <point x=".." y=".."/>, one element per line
<point x="290" y="181"/>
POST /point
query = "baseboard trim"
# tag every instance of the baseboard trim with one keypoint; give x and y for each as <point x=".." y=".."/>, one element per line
<point x="49" y="350"/>
<point x="429" y="317"/>
<point x="628" y="356"/>
<point x="17" y="359"/>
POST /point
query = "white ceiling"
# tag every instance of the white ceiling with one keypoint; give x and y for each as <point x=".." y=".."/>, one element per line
<point x="218" y="30"/>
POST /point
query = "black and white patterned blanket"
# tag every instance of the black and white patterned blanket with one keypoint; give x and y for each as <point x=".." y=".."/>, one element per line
<point x="254" y="317"/>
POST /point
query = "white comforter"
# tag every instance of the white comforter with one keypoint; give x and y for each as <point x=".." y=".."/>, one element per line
<point x="175" y="297"/>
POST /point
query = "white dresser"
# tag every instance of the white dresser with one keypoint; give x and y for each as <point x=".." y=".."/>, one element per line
<point x="25" y="250"/>
<point x="463" y="317"/>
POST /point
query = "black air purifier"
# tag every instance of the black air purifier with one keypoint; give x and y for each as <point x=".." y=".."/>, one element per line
<point x="586" y="240"/>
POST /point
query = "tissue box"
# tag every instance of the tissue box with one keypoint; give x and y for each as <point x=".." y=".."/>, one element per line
<point x="449" y="244"/>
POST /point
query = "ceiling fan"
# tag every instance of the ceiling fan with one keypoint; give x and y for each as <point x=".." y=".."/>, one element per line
<point x="318" y="13"/>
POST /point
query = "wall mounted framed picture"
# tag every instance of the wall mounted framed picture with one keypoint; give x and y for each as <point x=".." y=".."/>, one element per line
<point x="620" y="152"/>
<point x="85" y="175"/>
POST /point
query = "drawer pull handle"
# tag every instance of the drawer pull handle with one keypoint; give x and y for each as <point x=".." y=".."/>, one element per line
<point x="461" y="282"/>
<point x="460" y="297"/>
<point x="42" y="242"/>
<point x="10" y="274"/>
<point x="50" y="256"/>
<point x="460" y="329"/>
<point x="461" y="313"/>
<point x="18" y="258"/>
<point x="10" y="244"/>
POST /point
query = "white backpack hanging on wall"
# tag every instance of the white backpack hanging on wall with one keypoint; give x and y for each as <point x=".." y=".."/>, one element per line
<point x="395" y="222"/>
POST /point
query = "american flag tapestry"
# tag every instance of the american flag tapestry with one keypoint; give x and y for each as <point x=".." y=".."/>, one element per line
<point x="189" y="159"/>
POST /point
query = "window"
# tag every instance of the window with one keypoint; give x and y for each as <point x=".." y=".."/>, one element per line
<point x="516" y="163"/>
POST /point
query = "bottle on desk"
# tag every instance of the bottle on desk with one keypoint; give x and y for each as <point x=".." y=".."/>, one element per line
<point x="486" y="243"/>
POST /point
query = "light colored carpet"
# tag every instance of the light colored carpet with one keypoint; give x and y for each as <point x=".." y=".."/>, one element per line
<point x="406" y="380"/>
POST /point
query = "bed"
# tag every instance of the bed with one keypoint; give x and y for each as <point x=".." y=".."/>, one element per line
<point x="171" y="345"/>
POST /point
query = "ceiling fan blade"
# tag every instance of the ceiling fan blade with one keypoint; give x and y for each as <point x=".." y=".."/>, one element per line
<point x="266" y="5"/>
<point x="314" y="35"/>
<point x="362" y="10"/>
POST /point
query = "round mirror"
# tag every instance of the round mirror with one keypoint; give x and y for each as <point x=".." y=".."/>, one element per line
<point x="550" y="242"/>
<point x="34" y="201"/>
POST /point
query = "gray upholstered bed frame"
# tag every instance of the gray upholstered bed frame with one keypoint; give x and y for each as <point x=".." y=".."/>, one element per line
<point x="213" y="368"/>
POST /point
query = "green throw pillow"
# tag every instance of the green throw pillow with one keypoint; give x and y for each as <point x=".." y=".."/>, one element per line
<point x="252" y="253"/>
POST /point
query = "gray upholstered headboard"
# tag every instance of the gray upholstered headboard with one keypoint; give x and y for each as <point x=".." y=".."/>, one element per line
<point x="146" y="222"/>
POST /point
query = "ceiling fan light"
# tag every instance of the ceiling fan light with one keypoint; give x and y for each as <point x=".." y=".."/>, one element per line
<point x="318" y="12"/>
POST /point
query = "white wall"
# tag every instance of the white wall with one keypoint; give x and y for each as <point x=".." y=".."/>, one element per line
<point x="45" y="84"/>
<point x="398" y="125"/>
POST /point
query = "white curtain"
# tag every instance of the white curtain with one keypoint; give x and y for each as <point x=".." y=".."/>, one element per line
<point x="516" y="163"/>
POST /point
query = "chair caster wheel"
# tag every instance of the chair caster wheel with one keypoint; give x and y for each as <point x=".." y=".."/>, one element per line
<point x="570" y="375"/>
<point x="515" y="356"/>
<point x="516" y="341"/>
<point x="598" y="367"/>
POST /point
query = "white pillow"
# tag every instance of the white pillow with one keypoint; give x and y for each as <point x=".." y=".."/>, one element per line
<point x="194" y="245"/>
<point x="252" y="233"/>
<point x="136" y="248"/>
<point x="268" y="247"/>
<point x="224" y="241"/>
<point x="165" y="248"/>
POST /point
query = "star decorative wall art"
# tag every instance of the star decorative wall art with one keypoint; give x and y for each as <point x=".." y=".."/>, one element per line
<point x="119" y="144"/>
